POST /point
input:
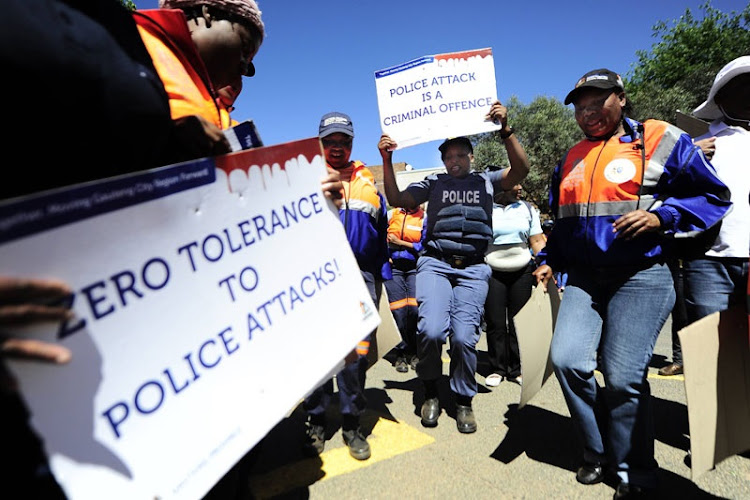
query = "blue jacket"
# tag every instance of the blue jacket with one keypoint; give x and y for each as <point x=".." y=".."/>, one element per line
<point x="365" y="220"/>
<point x="598" y="181"/>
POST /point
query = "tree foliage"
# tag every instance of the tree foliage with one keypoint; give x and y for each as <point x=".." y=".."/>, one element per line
<point x="546" y="129"/>
<point x="678" y="71"/>
<point x="675" y="74"/>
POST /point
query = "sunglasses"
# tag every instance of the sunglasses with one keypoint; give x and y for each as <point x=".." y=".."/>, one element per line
<point x="330" y="143"/>
<point x="248" y="68"/>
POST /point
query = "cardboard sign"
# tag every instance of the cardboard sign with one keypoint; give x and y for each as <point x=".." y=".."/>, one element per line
<point x="535" y="323"/>
<point x="198" y="300"/>
<point x="716" y="359"/>
<point x="437" y="96"/>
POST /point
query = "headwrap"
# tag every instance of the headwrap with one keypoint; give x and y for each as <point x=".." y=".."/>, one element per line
<point x="246" y="9"/>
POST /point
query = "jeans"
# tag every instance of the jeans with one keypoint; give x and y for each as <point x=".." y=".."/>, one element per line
<point x="679" y="311"/>
<point x="508" y="293"/>
<point x="619" y="314"/>
<point x="714" y="284"/>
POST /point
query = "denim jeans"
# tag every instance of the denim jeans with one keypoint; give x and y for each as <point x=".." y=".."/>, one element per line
<point x="679" y="311"/>
<point x="713" y="284"/>
<point x="619" y="314"/>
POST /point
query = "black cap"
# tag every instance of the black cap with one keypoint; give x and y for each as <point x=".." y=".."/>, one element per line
<point x="600" y="79"/>
<point x="455" y="140"/>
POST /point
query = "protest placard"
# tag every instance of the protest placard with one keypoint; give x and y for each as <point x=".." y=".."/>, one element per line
<point x="716" y="357"/>
<point x="535" y="323"/>
<point x="203" y="313"/>
<point x="437" y="96"/>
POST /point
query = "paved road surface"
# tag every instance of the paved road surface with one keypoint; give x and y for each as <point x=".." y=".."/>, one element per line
<point x="527" y="453"/>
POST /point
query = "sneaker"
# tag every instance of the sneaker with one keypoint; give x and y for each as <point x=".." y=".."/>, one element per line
<point x="401" y="365"/>
<point x="357" y="443"/>
<point x="316" y="440"/>
<point x="493" y="380"/>
<point x="413" y="362"/>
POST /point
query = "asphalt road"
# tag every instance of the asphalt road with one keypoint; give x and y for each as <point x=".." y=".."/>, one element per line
<point x="527" y="453"/>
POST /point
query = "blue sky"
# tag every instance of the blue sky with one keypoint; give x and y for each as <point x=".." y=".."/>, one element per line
<point x="321" y="56"/>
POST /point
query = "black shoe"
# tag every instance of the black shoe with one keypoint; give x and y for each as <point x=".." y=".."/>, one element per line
<point x="357" y="443"/>
<point x="671" y="370"/>
<point x="627" y="490"/>
<point x="413" y="362"/>
<point x="316" y="440"/>
<point x="401" y="365"/>
<point x="430" y="412"/>
<point x="465" y="420"/>
<point x="590" y="474"/>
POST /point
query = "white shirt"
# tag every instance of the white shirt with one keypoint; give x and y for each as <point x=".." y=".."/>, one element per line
<point x="732" y="163"/>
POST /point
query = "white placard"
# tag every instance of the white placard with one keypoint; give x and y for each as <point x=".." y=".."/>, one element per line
<point x="209" y="298"/>
<point x="437" y="96"/>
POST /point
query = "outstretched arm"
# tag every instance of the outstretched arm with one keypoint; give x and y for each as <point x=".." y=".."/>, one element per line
<point x="519" y="163"/>
<point x="396" y="197"/>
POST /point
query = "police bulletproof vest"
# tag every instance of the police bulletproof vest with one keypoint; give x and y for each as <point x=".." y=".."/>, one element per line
<point x="459" y="215"/>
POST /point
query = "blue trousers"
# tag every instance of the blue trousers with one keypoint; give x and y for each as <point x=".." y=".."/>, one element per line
<point x="713" y="284"/>
<point x="350" y="380"/>
<point x="451" y="302"/>
<point x="619" y="314"/>
<point x="402" y="295"/>
<point x="679" y="311"/>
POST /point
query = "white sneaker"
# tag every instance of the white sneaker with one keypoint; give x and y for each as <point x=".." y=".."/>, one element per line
<point x="493" y="380"/>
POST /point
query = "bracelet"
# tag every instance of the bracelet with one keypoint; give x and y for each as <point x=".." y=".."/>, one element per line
<point x="507" y="134"/>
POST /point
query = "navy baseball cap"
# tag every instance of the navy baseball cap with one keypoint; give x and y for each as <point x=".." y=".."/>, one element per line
<point x="600" y="79"/>
<point x="455" y="140"/>
<point x="335" y="122"/>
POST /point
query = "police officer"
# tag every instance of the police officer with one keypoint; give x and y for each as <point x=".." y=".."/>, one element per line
<point x="452" y="277"/>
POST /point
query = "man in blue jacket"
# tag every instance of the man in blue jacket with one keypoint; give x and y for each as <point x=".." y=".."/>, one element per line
<point x="364" y="216"/>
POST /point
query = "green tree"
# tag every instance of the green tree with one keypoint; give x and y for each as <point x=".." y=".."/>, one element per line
<point x="678" y="71"/>
<point x="129" y="4"/>
<point x="546" y="129"/>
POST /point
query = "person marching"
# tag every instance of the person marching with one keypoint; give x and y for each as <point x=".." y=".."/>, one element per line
<point x="615" y="194"/>
<point x="452" y="276"/>
<point x="516" y="239"/>
<point x="364" y="216"/>
<point x="404" y="245"/>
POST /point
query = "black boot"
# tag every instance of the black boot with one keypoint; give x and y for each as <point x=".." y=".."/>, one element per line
<point x="431" y="406"/>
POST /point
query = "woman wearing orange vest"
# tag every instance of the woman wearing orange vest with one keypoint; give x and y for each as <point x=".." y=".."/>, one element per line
<point x="616" y="194"/>
<point x="404" y="245"/>
<point x="199" y="47"/>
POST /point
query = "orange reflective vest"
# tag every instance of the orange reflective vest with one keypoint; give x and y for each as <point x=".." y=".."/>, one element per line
<point x="406" y="227"/>
<point x="167" y="38"/>
<point x="599" y="181"/>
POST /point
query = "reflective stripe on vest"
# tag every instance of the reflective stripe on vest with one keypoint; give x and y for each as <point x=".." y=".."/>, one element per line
<point x="604" y="178"/>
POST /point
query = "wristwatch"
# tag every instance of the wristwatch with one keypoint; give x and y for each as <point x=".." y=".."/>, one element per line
<point x="507" y="134"/>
